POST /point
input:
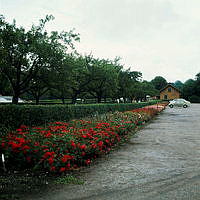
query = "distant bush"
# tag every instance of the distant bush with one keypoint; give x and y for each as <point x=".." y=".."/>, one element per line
<point x="194" y="99"/>
<point x="12" y="116"/>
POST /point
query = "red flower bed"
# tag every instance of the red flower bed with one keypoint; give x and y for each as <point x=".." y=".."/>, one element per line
<point x="64" y="146"/>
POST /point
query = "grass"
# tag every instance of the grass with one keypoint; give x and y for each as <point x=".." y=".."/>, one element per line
<point x="16" y="184"/>
<point x="69" y="180"/>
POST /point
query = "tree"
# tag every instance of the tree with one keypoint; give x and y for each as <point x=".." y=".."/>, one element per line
<point x="39" y="85"/>
<point x="23" y="53"/>
<point x="81" y="76"/>
<point x="5" y="87"/>
<point x="61" y="77"/>
<point x="142" y="89"/>
<point x="137" y="91"/>
<point x="159" y="82"/>
<point x="197" y="85"/>
<point x="188" y="88"/>
<point x="149" y="89"/>
<point x="127" y="80"/>
<point x="105" y="83"/>
<point x="178" y="84"/>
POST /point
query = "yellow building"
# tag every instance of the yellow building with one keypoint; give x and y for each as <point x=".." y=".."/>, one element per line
<point x="169" y="92"/>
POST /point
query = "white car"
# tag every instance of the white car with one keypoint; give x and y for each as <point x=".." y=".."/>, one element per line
<point x="8" y="99"/>
<point x="3" y="100"/>
<point x="179" y="103"/>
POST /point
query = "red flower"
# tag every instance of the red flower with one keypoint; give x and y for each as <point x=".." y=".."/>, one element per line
<point x="19" y="130"/>
<point x="107" y="141"/>
<point x="25" y="147"/>
<point x="68" y="165"/>
<point x="87" y="162"/>
<point x="48" y="134"/>
<point x="2" y="145"/>
<point x="65" y="158"/>
<point x="83" y="146"/>
<point x="48" y="154"/>
<point x="62" y="169"/>
<point x="50" y="160"/>
<point x="24" y="127"/>
<point x="53" y="168"/>
<point x="100" y="144"/>
<point x="94" y="146"/>
<point x="37" y="144"/>
<point x="73" y="144"/>
<point x="14" y="145"/>
<point x="20" y="140"/>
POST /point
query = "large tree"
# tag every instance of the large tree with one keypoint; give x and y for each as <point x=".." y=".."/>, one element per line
<point x="188" y="88"/>
<point x="142" y="89"/>
<point x="127" y="83"/>
<point x="106" y="74"/>
<point x="81" y="76"/>
<point x="23" y="53"/>
<point x="178" y="84"/>
<point x="159" y="82"/>
<point x="5" y="87"/>
<point x="197" y="85"/>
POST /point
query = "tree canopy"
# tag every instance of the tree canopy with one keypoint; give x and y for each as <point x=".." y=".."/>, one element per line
<point x="159" y="82"/>
<point x="34" y="63"/>
<point x="23" y="53"/>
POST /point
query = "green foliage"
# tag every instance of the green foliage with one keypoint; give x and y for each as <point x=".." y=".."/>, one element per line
<point x="69" y="180"/>
<point x="159" y="82"/>
<point x="12" y="116"/>
<point x="62" y="146"/>
<point x="105" y="83"/>
<point x="194" y="99"/>
<point x="188" y="88"/>
<point x="24" y="53"/>
<point x="129" y="84"/>
<point x="178" y="84"/>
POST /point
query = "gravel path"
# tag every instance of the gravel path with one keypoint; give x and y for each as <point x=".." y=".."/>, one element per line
<point x="161" y="162"/>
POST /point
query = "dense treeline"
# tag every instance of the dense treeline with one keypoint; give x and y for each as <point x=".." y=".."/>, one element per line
<point x="36" y="64"/>
<point x="190" y="89"/>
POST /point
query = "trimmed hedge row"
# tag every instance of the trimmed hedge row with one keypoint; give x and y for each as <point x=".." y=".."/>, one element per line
<point x="12" y="116"/>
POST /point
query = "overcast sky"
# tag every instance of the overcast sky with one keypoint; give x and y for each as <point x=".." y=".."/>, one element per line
<point x="155" y="37"/>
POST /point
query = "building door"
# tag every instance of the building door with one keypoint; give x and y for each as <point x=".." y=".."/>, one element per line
<point x="165" y="97"/>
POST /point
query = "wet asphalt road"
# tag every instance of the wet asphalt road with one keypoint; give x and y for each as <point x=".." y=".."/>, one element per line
<point x="162" y="162"/>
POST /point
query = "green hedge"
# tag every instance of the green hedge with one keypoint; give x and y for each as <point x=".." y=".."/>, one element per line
<point x="12" y="116"/>
<point x="194" y="99"/>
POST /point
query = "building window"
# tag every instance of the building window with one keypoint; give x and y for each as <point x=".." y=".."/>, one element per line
<point x="165" y="97"/>
<point x="169" y="89"/>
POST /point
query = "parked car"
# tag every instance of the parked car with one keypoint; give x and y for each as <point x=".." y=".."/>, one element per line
<point x="3" y="100"/>
<point x="179" y="103"/>
<point x="8" y="99"/>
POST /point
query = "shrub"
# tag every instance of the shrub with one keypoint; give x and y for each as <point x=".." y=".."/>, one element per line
<point x="194" y="99"/>
<point x="62" y="146"/>
<point x="12" y="116"/>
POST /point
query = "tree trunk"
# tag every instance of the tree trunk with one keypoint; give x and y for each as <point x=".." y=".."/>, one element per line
<point x="74" y="97"/>
<point x="99" y="99"/>
<point x="15" y="97"/>
<point x="37" y="100"/>
<point x="63" y="100"/>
